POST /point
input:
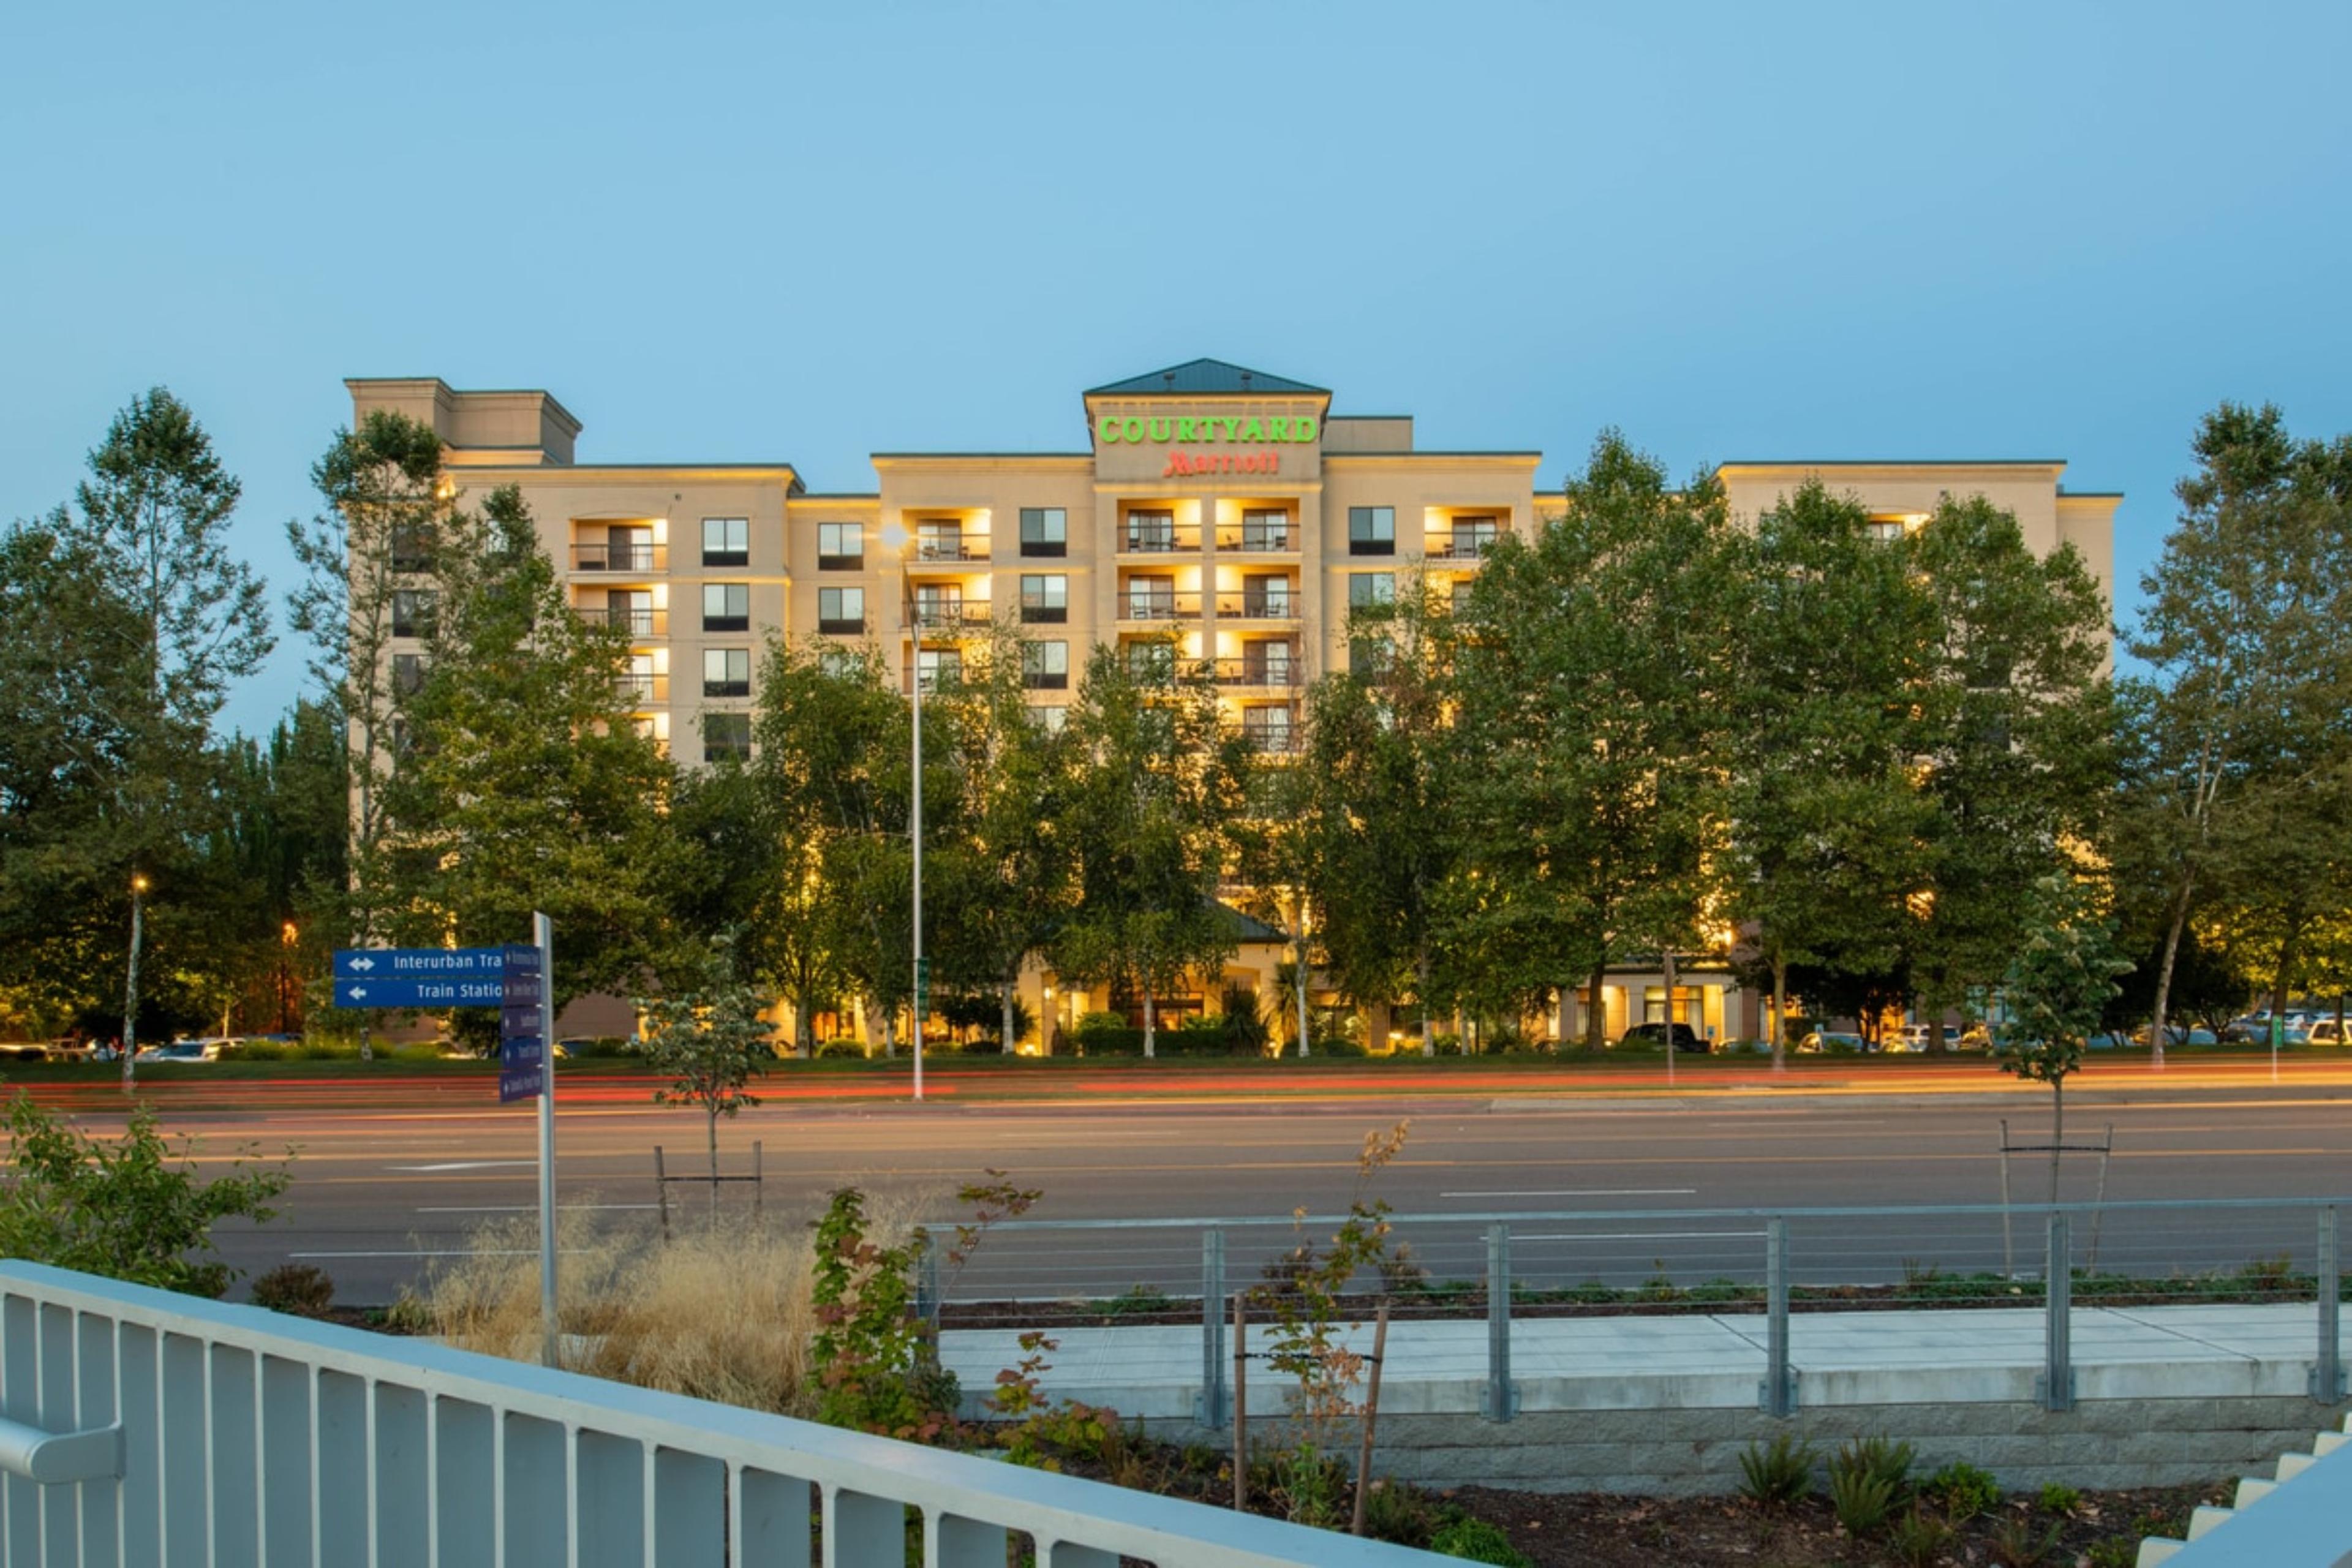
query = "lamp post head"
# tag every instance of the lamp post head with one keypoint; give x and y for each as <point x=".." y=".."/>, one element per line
<point x="895" y="536"/>
<point x="138" y="883"/>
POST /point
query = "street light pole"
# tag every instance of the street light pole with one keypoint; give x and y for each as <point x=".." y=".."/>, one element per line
<point x="130" y="982"/>
<point x="897" y="536"/>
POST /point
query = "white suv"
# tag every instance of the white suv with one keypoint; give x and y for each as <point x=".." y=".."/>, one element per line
<point x="2327" y="1032"/>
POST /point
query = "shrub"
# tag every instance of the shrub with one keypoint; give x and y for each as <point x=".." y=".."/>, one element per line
<point x="295" y="1287"/>
<point x="1475" y="1541"/>
<point x="1399" y="1511"/>
<point x="1861" y="1499"/>
<point x="117" y="1207"/>
<point x="1919" y="1537"/>
<point x="1778" y="1473"/>
<point x="1963" y="1489"/>
<point x="868" y="1352"/>
<point x="2016" y="1545"/>
<point x="837" y="1048"/>
<point x="1881" y="1461"/>
<point x="1241" y="1022"/>
<point x="2058" y="1497"/>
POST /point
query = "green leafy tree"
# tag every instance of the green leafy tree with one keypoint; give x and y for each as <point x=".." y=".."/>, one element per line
<point x="526" y="786"/>
<point x="710" y="1044"/>
<point x="2238" y="763"/>
<point x="2055" y="989"/>
<point x="1593" y="669"/>
<point x="1159" y="789"/>
<point x="2016" y="727"/>
<point x="122" y="1208"/>
<point x="1830" y="822"/>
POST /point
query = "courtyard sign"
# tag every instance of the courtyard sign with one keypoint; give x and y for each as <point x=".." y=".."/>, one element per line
<point x="1112" y="429"/>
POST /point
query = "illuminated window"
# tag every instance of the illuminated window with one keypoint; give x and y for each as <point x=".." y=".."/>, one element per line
<point x="1371" y="531"/>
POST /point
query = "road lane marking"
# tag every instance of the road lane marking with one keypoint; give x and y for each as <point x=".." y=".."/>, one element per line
<point x="463" y="1165"/>
<point x="1640" y="1236"/>
<point x="526" y="1207"/>
<point x="1586" y="1192"/>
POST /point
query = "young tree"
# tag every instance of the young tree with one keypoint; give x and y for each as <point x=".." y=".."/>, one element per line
<point x="526" y="786"/>
<point x="1159" y="786"/>
<point x="709" y="1045"/>
<point x="1593" y="671"/>
<point x="2054" y="990"/>
<point x="2240" y="750"/>
<point x="1829" y="820"/>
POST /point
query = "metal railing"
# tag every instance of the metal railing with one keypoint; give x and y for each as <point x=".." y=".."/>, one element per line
<point x="940" y="550"/>
<point x="636" y="620"/>
<point x="1147" y="541"/>
<point x="2063" y="1260"/>
<point x="1278" y="673"/>
<point x="1259" y="606"/>
<point x="139" y="1426"/>
<point x="1168" y="606"/>
<point x="592" y="557"/>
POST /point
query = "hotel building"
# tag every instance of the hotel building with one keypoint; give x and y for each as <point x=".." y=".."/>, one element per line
<point x="1229" y="508"/>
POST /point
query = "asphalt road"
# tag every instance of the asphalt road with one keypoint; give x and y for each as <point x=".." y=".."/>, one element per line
<point x="389" y="1187"/>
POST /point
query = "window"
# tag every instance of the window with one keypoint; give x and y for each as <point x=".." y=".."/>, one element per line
<point x="1371" y="531"/>
<point x="1045" y="597"/>
<point x="940" y="667"/>
<point x="1369" y="656"/>
<point x="1049" y="719"/>
<point x="940" y="541"/>
<point x="1151" y="599"/>
<point x="408" y="673"/>
<point x="1473" y="537"/>
<point x="840" y="547"/>
<point x="938" y="604"/>
<point x="1268" y="596"/>
<point x="1153" y="530"/>
<point x="727" y="672"/>
<point x="412" y="611"/>
<point x="1266" y="531"/>
<point x="641" y="684"/>
<point x="1044" y="530"/>
<point x="726" y="607"/>
<point x="1151" y="660"/>
<point x="1266" y="663"/>
<point x="1366" y="589"/>
<point x="1045" y="665"/>
<point x="841" y="609"/>
<point x="840" y="663"/>
<point x="1267" y="728"/>
<point x="1460" y="602"/>
<point x="726" y="542"/>
<point x="628" y="547"/>
<point x="412" y="547"/>
<point x="1888" y="528"/>
<point x="726" y="737"/>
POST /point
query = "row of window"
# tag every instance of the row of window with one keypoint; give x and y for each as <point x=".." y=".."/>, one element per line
<point x="727" y="737"/>
<point x="1044" y="532"/>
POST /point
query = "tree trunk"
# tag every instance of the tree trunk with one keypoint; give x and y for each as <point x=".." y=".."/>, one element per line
<point x="1150" y="1024"/>
<point x="1779" y="1008"/>
<point x="1007" y="1038"/>
<point x="712" y="1118"/>
<point x="2164" y="972"/>
<point x="1300" y="980"/>
<point x="2289" y="953"/>
<point x="803" y="1030"/>
<point x="1421" y="999"/>
<point x="1596" y="1018"/>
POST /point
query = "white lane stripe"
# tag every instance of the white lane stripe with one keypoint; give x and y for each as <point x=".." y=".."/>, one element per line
<point x="443" y="1252"/>
<point x="464" y="1165"/>
<point x="528" y="1206"/>
<point x="1638" y="1236"/>
<point x="1586" y="1192"/>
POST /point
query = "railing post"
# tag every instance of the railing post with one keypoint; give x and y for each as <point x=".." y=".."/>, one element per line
<point x="1779" y="1394"/>
<point x="2055" y="1386"/>
<point x="2328" y="1372"/>
<point x="1501" y="1400"/>
<point x="927" y="1297"/>
<point x="1209" y="1409"/>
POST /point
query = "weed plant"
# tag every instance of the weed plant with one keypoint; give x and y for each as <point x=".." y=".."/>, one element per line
<point x="1918" y="1536"/>
<point x="1963" y="1490"/>
<point x="1778" y="1473"/>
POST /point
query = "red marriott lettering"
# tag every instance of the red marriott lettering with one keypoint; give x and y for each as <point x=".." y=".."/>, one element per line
<point x="1221" y="463"/>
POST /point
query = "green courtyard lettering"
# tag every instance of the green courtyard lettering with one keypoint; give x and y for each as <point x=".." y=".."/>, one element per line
<point x="1116" y="429"/>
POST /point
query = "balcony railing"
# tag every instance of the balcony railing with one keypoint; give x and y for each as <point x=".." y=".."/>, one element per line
<point x="1250" y="606"/>
<point x="1464" y="548"/>
<point x="929" y="551"/>
<point x="1280" y="741"/>
<point x="620" y="557"/>
<point x="1133" y="541"/>
<point x="644" y="688"/>
<point x="1280" y="674"/>
<point x="636" y="621"/>
<point x="966" y="616"/>
<point x="1158" y="607"/>
<point x="1245" y="543"/>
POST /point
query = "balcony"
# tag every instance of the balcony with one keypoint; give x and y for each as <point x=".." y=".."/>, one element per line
<point x="1250" y="542"/>
<point x="641" y="690"/>
<point x="1252" y="606"/>
<point x="638" y="621"/>
<point x="947" y="550"/>
<point x="1158" y="607"/>
<point x="1153" y="539"/>
<point x="949" y="617"/>
<point x="1263" y="674"/>
<point x="620" y="558"/>
<point x="1277" y="740"/>
<point x="1461" y="547"/>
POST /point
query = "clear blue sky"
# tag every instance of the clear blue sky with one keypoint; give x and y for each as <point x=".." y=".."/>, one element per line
<point x="783" y="231"/>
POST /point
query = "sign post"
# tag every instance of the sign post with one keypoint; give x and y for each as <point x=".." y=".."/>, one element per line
<point x="542" y="934"/>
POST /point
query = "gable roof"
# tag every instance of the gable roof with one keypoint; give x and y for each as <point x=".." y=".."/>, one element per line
<point x="1200" y="377"/>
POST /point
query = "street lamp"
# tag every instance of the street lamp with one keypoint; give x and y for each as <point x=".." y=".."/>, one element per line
<point x="130" y="982"/>
<point x="895" y="536"/>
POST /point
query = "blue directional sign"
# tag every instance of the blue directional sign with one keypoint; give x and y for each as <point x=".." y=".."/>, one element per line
<point x="472" y="991"/>
<point x="424" y="963"/>
<point x="523" y="1069"/>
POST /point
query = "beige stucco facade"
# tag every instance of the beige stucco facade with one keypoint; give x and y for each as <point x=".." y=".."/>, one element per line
<point x="1230" y="509"/>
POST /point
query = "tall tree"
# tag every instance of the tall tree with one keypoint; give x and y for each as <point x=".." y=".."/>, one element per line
<point x="2240" y="748"/>
<point x="1593" y="672"/>
<point x="1158" y="788"/>
<point x="1829" y="824"/>
<point x="526" y="786"/>
<point x="2016" y="724"/>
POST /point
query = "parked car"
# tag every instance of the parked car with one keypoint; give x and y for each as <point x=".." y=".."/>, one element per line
<point x="2328" y="1032"/>
<point x="24" y="1051"/>
<point x="1910" y="1039"/>
<point x="204" y="1050"/>
<point x="1832" y="1042"/>
<point x="1653" y="1037"/>
<point x="2177" y="1034"/>
<point x="2255" y="1028"/>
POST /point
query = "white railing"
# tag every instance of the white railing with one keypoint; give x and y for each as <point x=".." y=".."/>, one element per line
<point x="138" y="1427"/>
